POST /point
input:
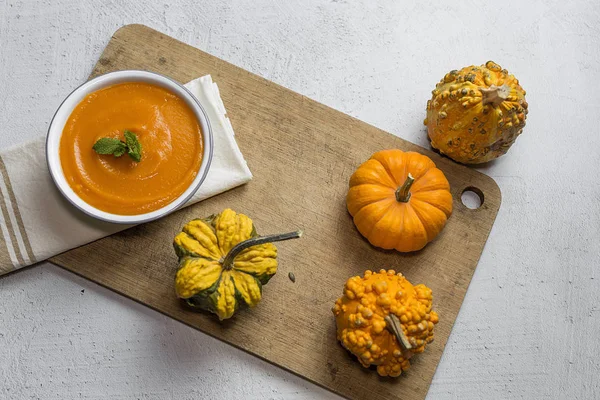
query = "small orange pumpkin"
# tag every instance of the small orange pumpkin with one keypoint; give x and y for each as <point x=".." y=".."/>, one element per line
<point x="399" y="200"/>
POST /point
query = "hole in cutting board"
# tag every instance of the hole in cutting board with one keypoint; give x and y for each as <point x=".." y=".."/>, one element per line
<point x="472" y="198"/>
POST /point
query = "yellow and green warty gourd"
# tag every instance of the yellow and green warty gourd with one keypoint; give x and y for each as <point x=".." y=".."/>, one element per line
<point x="475" y="114"/>
<point x="223" y="263"/>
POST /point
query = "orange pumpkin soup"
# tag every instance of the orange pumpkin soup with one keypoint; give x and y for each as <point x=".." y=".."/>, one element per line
<point x="171" y="140"/>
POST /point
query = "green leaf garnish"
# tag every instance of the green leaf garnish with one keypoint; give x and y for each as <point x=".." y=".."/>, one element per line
<point x="117" y="147"/>
<point x="120" y="151"/>
<point x="134" y="147"/>
<point x="110" y="146"/>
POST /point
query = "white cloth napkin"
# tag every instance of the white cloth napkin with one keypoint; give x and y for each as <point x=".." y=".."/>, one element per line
<point x="38" y="223"/>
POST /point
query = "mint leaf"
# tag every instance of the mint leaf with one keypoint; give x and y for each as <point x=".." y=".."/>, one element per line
<point x="110" y="146"/>
<point x="120" y="151"/>
<point x="117" y="147"/>
<point x="134" y="147"/>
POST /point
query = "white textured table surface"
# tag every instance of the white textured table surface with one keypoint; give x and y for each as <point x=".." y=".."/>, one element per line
<point x="530" y="323"/>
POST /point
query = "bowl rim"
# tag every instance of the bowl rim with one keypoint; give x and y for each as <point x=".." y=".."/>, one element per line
<point x="121" y="76"/>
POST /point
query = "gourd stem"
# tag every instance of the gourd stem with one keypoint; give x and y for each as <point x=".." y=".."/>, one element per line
<point x="241" y="246"/>
<point x="403" y="192"/>
<point x="392" y="323"/>
<point x="494" y="95"/>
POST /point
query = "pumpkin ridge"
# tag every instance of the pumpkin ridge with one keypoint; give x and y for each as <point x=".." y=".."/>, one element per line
<point x="411" y="215"/>
<point x="249" y="295"/>
<point x="431" y="189"/>
<point x="225" y="304"/>
<point x="231" y="229"/>
<point x="375" y="202"/>
<point x="197" y="230"/>
<point x="184" y="249"/>
<point x="427" y="240"/>
<point x="432" y="174"/>
<point x="206" y="221"/>
<point x="395" y="207"/>
<point x="387" y="169"/>
<point x="415" y="160"/>
<point x="392" y="203"/>
<point x="362" y="194"/>
<point x="265" y="250"/>
<point x="447" y="214"/>
<point x="258" y="261"/>
<point x="417" y="201"/>
<point x="371" y="172"/>
<point x="194" y="277"/>
<point x="420" y="208"/>
<point x="385" y="187"/>
<point x="428" y="190"/>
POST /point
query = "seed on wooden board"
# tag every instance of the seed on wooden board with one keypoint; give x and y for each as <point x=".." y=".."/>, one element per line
<point x="292" y="277"/>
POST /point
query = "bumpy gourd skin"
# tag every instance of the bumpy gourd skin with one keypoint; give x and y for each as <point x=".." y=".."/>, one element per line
<point x="361" y="327"/>
<point x="204" y="282"/>
<point x="468" y="121"/>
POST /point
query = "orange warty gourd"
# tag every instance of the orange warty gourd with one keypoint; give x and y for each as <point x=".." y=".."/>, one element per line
<point x="384" y="320"/>
<point x="476" y="113"/>
<point x="399" y="200"/>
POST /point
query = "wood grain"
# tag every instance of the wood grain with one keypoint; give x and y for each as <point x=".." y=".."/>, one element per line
<point x="302" y="154"/>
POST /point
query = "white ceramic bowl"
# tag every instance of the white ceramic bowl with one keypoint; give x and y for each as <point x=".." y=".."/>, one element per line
<point x="66" y="108"/>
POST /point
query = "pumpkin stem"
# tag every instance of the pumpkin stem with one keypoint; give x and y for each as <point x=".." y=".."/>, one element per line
<point x="241" y="246"/>
<point x="392" y="324"/>
<point x="403" y="192"/>
<point x="494" y="95"/>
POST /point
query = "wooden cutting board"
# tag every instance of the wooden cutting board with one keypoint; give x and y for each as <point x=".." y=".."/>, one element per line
<point x="302" y="154"/>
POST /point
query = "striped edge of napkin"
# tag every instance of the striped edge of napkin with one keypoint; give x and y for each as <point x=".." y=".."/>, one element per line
<point x="15" y="243"/>
<point x="36" y="222"/>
